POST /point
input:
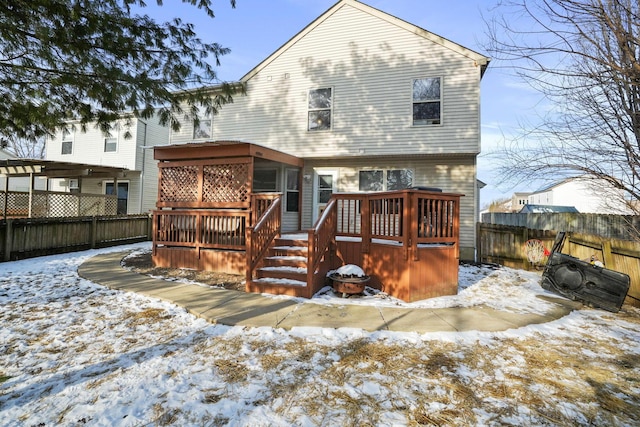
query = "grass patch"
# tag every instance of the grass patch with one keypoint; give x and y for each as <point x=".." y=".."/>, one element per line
<point x="231" y="371"/>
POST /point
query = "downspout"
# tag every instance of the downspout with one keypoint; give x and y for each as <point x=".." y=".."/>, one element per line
<point x="6" y="195"/>
<point x="31" y="184"/>
<point x="144" y="149"/>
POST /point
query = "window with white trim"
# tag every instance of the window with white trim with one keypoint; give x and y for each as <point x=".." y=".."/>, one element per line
<point x="385" y="179"/>
<point x="427" y="101"/>
<point x="320" y="109"/>
<point x="292" y="194"/>
<point x="203" y="127"/>
<point x="110" y="145"/>
<point x="67" y="142"/>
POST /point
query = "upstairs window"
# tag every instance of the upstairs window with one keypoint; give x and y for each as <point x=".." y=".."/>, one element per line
<point x="427" y="101"/>
<point x="203" y="127"/>
<point x="320" y="106"/>
<point x="110" y="145"/>
<point x="67" y="142"/>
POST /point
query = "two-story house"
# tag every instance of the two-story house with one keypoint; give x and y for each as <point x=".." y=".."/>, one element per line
<point x="586" y="195"/>
<point x="129" y="145"/>
<point x="369" y="102"/>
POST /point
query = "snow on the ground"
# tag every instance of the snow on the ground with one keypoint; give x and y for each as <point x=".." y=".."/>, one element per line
<point x="76" y="353"/>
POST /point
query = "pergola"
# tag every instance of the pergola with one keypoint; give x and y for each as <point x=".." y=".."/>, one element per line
<point x="32" y="168"/>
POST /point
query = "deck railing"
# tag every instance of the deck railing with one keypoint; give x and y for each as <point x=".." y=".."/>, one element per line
<point x="197" y="228"/>
<point x="260" y="202"/>
<point x="208" y="228"/>
<point x="260" y="236"/>
<point x="407" y="217"/>
<point x="321" y="237"/>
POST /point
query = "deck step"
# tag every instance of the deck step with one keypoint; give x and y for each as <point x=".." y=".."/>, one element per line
<point x="289" y="251"/>
<point x="283" y="272"/>
<point x="285" y="261"/>
<point x="291" y="242"/>
<point x="280" y="282"/>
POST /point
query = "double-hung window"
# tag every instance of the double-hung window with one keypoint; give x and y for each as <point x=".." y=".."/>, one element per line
<point x="203" y="127"/>
<point x="67" y="142"/>
<point x="427" y="101"/>
<point x="320" y="109"/>
<point x="110" y="145"/>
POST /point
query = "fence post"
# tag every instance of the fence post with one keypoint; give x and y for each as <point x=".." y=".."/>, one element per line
<point x="150" y="227"/>
<point x="608" y="259"/>
<point x="478" y="242"/>
<point x="8" y="239"/>
<point x="94" y="231"/>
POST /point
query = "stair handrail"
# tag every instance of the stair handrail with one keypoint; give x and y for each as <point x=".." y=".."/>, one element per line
<point x="321" y="236"/>
<point x="260" y="236"/>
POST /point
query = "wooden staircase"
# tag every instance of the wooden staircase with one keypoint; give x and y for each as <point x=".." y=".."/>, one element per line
<point x="284" y="270"/>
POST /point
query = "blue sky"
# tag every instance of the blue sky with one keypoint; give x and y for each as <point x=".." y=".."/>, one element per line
<point x="256" y="28"/>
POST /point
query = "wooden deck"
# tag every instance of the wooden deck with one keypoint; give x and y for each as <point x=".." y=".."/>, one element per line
<point x="209" y="218"/>
<point x="406" y="241"/>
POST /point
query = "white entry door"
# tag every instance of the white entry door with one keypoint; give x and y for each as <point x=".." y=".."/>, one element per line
<point x="325" y="184"/>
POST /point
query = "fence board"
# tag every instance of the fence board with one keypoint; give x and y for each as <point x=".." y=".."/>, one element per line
<point x="504" y="244"/>
<point x="623" y="227"/>
<point x="31" y="237"/>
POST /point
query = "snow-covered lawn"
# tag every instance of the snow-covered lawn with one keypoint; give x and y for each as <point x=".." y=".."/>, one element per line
<point x="75" y="353"/>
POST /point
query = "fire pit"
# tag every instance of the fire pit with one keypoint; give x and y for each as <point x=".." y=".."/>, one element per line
<point x="349" y="279"/>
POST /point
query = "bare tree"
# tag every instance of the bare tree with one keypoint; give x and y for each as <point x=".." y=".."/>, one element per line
<point x="583" y="56"/>
<point x="25" y="148"/>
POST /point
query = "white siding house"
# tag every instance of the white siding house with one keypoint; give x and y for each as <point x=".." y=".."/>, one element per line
<point x="370" y="102"/>
<point x="586" y="195"/>
<point x="18" y="183"/>
<point x="138" y="190"/>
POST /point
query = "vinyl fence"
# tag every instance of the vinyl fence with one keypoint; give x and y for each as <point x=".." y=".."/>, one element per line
<point x="31" y="237"/>
<point x="505" y="245"/>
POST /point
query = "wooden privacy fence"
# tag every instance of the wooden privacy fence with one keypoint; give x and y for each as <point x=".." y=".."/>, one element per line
<point x="505" y="245"/>
<point x="624" y="227"/>
<point x="31" y="237"/>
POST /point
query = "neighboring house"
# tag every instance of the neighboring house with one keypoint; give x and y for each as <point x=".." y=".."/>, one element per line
<point x="518" y="201"/>
<point x="367" y="102"/>
<point x="585" y="194"/>
<point x="547" y="209"/>
<point x="138" y="190"/>
<point x="18" y="183"/>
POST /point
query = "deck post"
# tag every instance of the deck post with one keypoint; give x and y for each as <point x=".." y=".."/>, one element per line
<point x="8" y="239"/>
<point x="249" y="250"/>
<point x="365" y="220"/>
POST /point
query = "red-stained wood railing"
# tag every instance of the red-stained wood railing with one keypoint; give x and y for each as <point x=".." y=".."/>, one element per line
<point x="197" y="228"/>
<point x="438" y="219"/>
<point x="321" y="237"/>
<point x="260" y="202"/>
<point x="408" y="217"/>
<point x="260" y="236"/>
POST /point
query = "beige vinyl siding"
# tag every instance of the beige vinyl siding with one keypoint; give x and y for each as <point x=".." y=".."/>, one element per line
<point x="88" y="147"/>
<point x="453" y="174"/>
<point x="154" y="135"/>
<point x="370" y="63"/>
